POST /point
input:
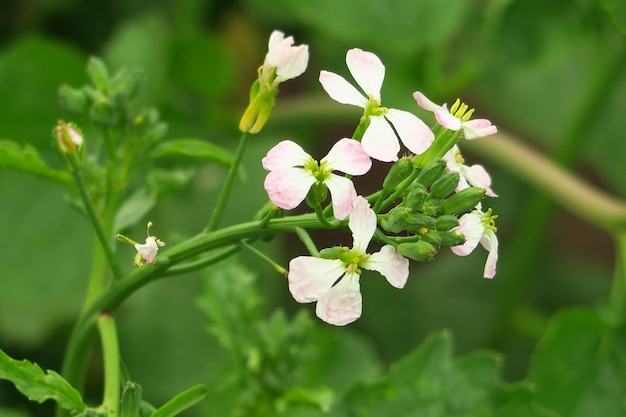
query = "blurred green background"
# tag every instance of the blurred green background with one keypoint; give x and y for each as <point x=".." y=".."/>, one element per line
<point x="551" y="72"/>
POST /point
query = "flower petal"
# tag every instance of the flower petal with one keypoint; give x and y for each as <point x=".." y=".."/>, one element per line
<point x="310" y="278"/>
<point x="413" y="132"/>
<point x="362" y="223"/>
<point x="447" y="119"/>
<point x="478" y="128"/>
<point x="342" y="193"/>
<point x="288" y="187"/>
<point x="341" y="90"/>
<point x="424" y="102"/>
<point x="471" y="225"/>
<point x="490" y="242"/>
<point x="285" y="154"/>
<point x="290" y="61"/>
<point x="393" y="266"/>
<point x="343" y="303"/>
<point x="380" y="141"/>
<point x="148" y="250"/>
<point x="348" y="156"/>
<point x="478" y="176"/>
<point x="368" y="71"/>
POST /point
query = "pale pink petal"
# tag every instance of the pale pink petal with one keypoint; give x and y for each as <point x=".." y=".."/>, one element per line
<point x="285" y="154"/>
<point x="343" y="303"/>
<point x="368" y="71"/>
<point x="446" y="119"/>
<point x="424" y="102"/>
<point x="478" y="128"/>
<point x="471" y="225"/>
<point x="393" y="266"/>
<point x="288" y="187"/>
<point x="341" y="90"/>
<point x="490" y="242"/>
<point x="348" y="156"/>
<point x="413" y="132"/>
<point x="362" y="223"/>
<point x="342" y="193"/>
<point x="148" y="251"/>
<point x="380" y="141"/>
<point x="478" y="176"/>
<point x="290" y="61"/>
<point x="310" y="278"/>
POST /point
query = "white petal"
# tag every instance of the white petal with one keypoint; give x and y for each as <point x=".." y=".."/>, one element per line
<point x="478" y="128"/>
<point x="393" y="266"/>
<point x="424" y="102"/>
<point x="290" y="61"/>
<point x="471" y="225"/>
<point x="413" y="132"/>
<point x="343" y="303"/>
<point x="490" y="242"/>
<point x="348" y="156"/>
<point x="288" y="187"/>
<point x="285" y="154"/>
<point x="380" y="141"/>
<point x="341" y="90"/>
<point x="478" y="176"/>
<point x="368" y="71"/>
<point x="342" y="193"/>
<point x="447" y="119"/>
<point x="310" y="278"/>
<point x="148" y="251"/>
<point x="362" y="223"/>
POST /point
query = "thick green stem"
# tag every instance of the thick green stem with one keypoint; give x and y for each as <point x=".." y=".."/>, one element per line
<point x="218" y="211"/>
<point x="111" y="357"/>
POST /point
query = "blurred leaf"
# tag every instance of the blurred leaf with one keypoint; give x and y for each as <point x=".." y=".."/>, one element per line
<point x="193" y="148"/>
<point x="38" y="385"/>
<point x="181" y="402"/>
<point x="7" y="412"/>
<point x="27" y="159"/>
<point x="135" y="208"/>
<point x="393" y="26"/>
<point x="579" y="367"/>
<point x="165" y="181"/>
<point x="616" y="9"/>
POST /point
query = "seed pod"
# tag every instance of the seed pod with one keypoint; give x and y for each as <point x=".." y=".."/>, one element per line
<point x="419" y="251"/>
<point x="445" y="185"/>
<point x="431" y="172"/>
<point x="463" y="201"/>
<point x="446" y="222"/>
<point x="398" y="172"/>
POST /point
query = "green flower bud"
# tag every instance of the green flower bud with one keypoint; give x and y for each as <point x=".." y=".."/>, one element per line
<point x="433" y="237"/>
<point x="431" y="172"/>
<point x="333" y="253"/>
<point x="317" y="194"/>
<point x="446" y="222"/>
<point x="419" y="221"/>
<point x="432" y="207"/>
<point x="98" y="74"/>
<point x="102" y="113"/>
<point x="445" y="185"/>
<point x="398" y="172"/>
<point x="397" y="219"/>
<point x="463" y="201"/>
<point x="72" y="100"/>
<point x="131" y="400"/>
<point x="126" y="83"/>
<point x="262" y="101"/>
<point x="415" y="197"/>
<point x="452" y="238"/>
<point x="419" y="251"/>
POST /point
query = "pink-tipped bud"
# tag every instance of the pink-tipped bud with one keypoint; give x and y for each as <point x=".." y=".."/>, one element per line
<point x="68" y="137"/>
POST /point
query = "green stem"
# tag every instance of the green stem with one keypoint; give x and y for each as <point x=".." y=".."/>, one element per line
<point x="218" y="210"/>
<point x="618" y="291"/>
<point x="305" y="238"/>
<point x="263" y="257"/>
<point x="320" y="215"/>
<point x="111" y="357"/>
<point x="201" y="263"/>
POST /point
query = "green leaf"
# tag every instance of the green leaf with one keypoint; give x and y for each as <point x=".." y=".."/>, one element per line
<point x="135" y="208"/>
<point x="27" y="159"/>
<point x="579" y="367"/>
<point x="38" y="385"/>
<point x="182" y="401"/>
<point x="193" y="148"/>
<point x="616" y="9"/>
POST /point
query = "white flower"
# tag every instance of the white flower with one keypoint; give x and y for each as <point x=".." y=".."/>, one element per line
<point x="313" y="279"/>
<point x="293" y="172"/>
<point x="379" y="140"/>
<point x="148" y="250"/>
<point x="290" y="61"/>
<point x="475" y="175"/>
<point x="456" y="118"/>
<point x="478" y="227"/>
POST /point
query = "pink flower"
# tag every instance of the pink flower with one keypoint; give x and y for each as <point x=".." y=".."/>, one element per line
<point x="474" y="175"/>
<point x="315" y="279"/>
<point x="478" y="227"/>
<point x="290" y="61"/>
<point x="379" y="140"/>
<point x="293" y="172"/>
<point x="148" y="250"/>
<point x="456" y="118"/>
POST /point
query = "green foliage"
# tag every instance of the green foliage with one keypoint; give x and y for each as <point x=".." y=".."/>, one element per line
<point x="193" y="149"/>
<point x="181" y="402"/>
<point x="38" y="385"/>
<point x="26" y="159"/>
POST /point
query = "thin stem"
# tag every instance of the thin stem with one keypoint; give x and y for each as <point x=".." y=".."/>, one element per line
<point x="305" y="238"/>
<point x="201" y="263"/>
<point x="218" y="210"/>
<point x="111" y="357"/>
<point x="320" y="215"/>
<point x="263" y="257"/>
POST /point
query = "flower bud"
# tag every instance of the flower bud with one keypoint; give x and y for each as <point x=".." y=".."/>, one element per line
<point x="433" y="237"/>
<point x="432" y="206"/>
<point x="69" y="138"/>
<point x="419" y="221"/>
<point x="416" y="196"/>
<point x="463" y="201"/>
<point x="452" y="238"/>
<point x="317" y="195"/>
<point x="333" y="253"/>
<point x="446" y="222"/>
<point x="98" y="74"/>
<point x="398" y="172"/>
<point x="397" y="219"/>
<point x="445" y="185"/>
<point x="131" y="400"/>
<point x="259" y="110"/>
<point x="419" y="251"/>
<point x="102" y="113"/>
<point x="431" y="172"/>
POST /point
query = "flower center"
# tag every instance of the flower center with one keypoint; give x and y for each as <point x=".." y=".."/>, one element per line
<point x="489" y="221"/>
<point x="461" y="111"/>
<point x="352" y="259"/>
<point x="374" y="109"/>
<point x="319" y="171"/>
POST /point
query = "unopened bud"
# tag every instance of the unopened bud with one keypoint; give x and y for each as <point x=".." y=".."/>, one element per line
<point x="397" y="219"/>
<point x="416" y="196"/>
<point x="446" y="222"/>
<point x="102" y="113"/>
<point x="257" y="113"/>
<point x="317" y="195"/>
<point x="432" y="206"/>
<point x="445" y="185"/>
<point x="333" y="253"/>
<point x="398" y="172"/>
<point x="98" y="74"/>
<point x="131" y="400"/>
<point x="431" y="172"/>
<point x="452" y="238"/>
<point x="463" y="201"/>
<point x="419" y="251"/>
<point x="68" y="136"/>
<point x="433" y="237"/>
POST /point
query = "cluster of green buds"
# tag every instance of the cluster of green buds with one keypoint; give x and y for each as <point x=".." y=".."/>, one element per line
<point x="427" y="217"/>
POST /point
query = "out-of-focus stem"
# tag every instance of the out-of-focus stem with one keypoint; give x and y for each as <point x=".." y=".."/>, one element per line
<point x="111" y="357"/>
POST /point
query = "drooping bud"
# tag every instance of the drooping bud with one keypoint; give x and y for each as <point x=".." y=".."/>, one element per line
<point x="445" y="185"/>
<point x="463" y="201"/>
<point x="68" y="136"/>
<point x="431" y="172"/>
<point x="419" y="251"/>
<point x="398" y="172"/>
